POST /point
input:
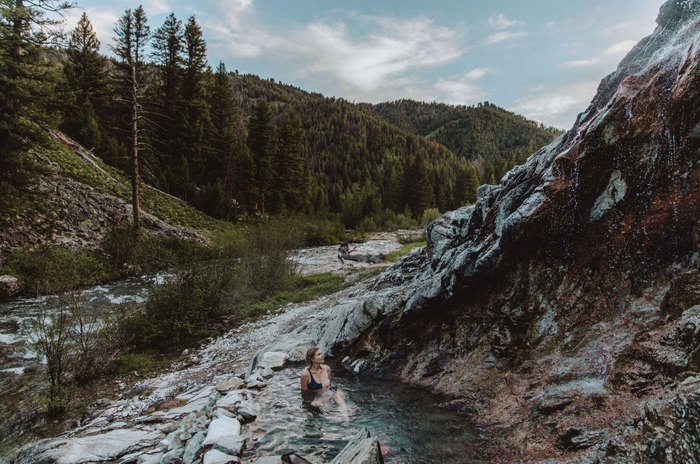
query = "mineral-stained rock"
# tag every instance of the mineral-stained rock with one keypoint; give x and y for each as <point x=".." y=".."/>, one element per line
<point x="194" y="449"/>
<point x="273" y="360"/>
<point x="226" y="386"/>
<point x="684" y="293"/>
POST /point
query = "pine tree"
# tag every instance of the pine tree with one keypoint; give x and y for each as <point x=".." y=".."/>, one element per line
<point x="196" y="123"/>
<point x="466" y="183"/>
<point x="292" y="184"/>
<point x="168" y="47"/>
<point x="419" y="190"/>
<point x="227" y="138"/>
<point x="131" y="37"/>
<point x="262" y="141"/>
<point x="85" y="82"/>
<point x="27" y="86"/>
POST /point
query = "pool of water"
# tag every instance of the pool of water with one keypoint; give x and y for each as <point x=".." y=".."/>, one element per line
<point x="407" y="421"/>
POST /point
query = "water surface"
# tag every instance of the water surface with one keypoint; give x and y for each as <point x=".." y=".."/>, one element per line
<point x="406" y="420"/>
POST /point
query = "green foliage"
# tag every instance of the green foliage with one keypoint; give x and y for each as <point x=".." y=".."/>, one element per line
<point x="148" y="253"/>
<point x="296" y="289"/>
<point x="181" y="312"/>
<point x="50" y="268"/>
<point x="430" y="214"/>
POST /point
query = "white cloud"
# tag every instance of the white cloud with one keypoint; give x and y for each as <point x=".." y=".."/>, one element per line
<point x="157" y="7"/>
<point x="461" y="90"/>
<point x="581" y="63"/>
<point x="370" y="62"/>
<point x="503" y="36"/>
<point x="501" y="22"/>
<point x="557" y="106"/>
<point x="619" y="49"/>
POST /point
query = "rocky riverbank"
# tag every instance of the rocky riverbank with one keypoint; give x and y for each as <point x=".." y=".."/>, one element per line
<point x="181" y="414"/>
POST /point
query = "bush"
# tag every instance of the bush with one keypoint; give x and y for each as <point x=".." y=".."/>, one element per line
<point x="50" y="268"/>
<point x="181" y="312"/>
<point x="430" y="214"/>
<point x="150" y="253"/>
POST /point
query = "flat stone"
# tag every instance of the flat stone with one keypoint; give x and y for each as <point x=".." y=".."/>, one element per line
<point x="220" y="428"/>
<point x="273" y="360"/>
<point x="248" y="410"/>
<point x="217" y="457"/>
<point x="226" y="386"/>
<point x="361" y="449"/>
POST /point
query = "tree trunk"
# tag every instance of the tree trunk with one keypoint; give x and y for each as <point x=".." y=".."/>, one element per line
<point x="135" y="178"/>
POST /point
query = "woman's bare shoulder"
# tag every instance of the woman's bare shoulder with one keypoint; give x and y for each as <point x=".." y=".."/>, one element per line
<point x="326" y="367"/>
<point x="305" y="373"/>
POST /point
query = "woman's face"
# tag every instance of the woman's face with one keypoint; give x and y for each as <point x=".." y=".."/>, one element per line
<point x="319" y="357"/>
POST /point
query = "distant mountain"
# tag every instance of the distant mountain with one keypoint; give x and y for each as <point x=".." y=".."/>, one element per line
<point x="481" y="132"/>
<point x="350" y="144"/>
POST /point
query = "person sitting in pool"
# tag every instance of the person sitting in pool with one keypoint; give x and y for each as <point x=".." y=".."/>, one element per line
<point x="317" y="379"/>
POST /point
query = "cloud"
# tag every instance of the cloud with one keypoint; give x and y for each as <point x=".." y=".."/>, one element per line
<point x="461" y="90"/>
<point x="369" y="62"/>
<point x="501" y="22"/>
<point x="557" y="106"/>
<point x="581" y="63"/>
<point x="503" y="36"/>
<point x="619" y="49"/>
<point x="157" y="7"/>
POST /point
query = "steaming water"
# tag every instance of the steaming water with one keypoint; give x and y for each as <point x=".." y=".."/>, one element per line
<point x="406" y="420"/>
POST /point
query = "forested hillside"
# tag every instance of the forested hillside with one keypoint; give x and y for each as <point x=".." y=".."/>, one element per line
<point x="493" y="138"/>
<point x="236" y="145"/>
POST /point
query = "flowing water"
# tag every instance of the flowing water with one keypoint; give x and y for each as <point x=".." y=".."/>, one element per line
<point x="409" y="424"/>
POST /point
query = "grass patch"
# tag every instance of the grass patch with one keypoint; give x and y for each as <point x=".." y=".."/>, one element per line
<point x="111" y="181"/>
<point x="398" y="254"/>
<point x="297" y="289"/>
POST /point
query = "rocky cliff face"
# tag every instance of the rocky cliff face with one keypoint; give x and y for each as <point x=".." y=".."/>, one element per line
<point x="560" y="307"/>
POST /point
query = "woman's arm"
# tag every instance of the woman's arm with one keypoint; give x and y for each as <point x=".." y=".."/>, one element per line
<point x="328" y="372"/>
<point x="304" y="380"/>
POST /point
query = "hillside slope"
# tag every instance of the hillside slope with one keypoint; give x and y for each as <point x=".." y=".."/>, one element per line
<point x="77" y="199"/>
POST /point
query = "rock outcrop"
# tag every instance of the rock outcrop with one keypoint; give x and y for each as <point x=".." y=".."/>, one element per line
<point x="557" y="308"/>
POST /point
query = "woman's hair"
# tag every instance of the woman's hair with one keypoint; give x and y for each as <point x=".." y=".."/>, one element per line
<point x="310" y="353"/>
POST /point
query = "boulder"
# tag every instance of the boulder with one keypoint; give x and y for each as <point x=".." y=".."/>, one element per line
<point x="361" y="449"/>
<point x="220" y="428"/>
<point x="273" y="360"/>
<point x="194" y="448"/>
<point x="248" y="411"/>
<point x="226" y="386"/>
<point x="9" y="286"/>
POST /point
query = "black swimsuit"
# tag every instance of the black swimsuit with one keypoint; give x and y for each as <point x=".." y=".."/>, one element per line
<point x="313" y="385"/>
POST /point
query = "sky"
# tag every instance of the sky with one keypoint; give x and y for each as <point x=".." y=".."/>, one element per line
<point x="539" y="58"/>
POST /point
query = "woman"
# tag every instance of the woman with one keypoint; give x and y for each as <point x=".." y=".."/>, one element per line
<point x="317" y="379"/>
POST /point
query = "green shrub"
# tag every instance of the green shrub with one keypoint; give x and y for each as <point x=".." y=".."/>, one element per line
<point x="430" y="214"/>
<point x="150" y="253"/>
<point x="398" y="254"/>
<point x="50" y="268"/>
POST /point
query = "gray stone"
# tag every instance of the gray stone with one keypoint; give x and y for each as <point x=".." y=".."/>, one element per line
<point x="613" y="194"/>
<point x="9" y="286"/>
<point x="104" y="447"/>
<point x="226" y="386"/>
<point x="248" y="410"/>
<point x="220" y="428"/>
<point x="273" y="360"/>
<point x="194" y="448"/>
<point x="268" y="460"/>
<point x="232" y="445"/>
<point x="214" y="456"/>
<point x="361" y="449"/>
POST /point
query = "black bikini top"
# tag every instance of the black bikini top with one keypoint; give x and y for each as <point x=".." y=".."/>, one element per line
<point x="313" y="385"/>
